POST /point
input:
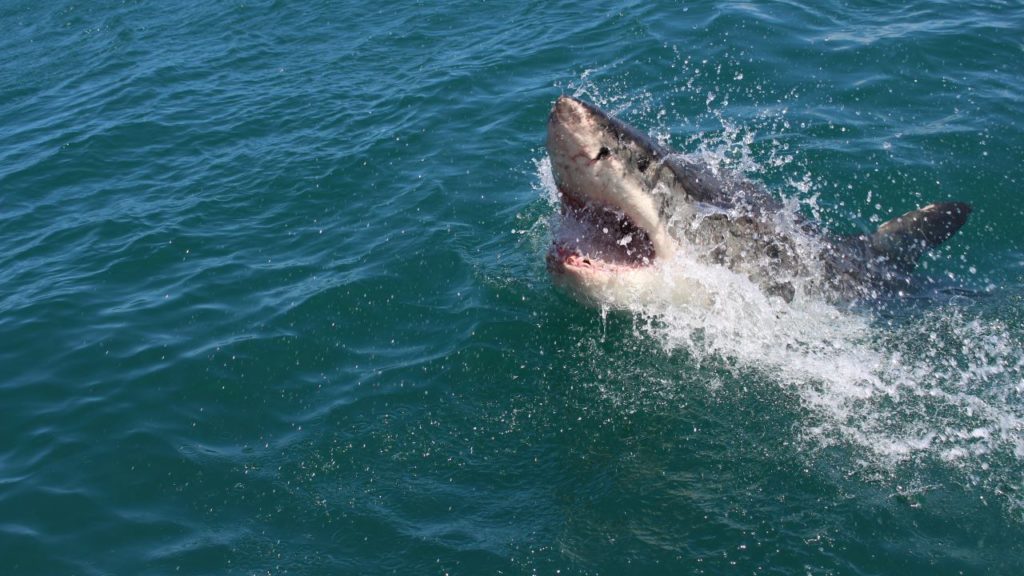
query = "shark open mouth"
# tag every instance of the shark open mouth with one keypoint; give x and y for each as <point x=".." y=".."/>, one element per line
<point x="598" y="238"/>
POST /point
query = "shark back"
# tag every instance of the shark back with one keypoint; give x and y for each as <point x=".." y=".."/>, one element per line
<point x="737" y="223"/>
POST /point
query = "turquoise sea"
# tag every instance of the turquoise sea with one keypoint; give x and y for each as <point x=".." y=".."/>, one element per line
<point x="273" y="296"/>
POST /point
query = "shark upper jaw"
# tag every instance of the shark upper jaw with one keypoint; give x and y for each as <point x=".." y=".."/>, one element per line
<point x="610" y="220"/>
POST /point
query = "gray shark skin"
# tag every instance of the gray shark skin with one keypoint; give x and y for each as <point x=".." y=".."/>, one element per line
<point x="630" y="204"/>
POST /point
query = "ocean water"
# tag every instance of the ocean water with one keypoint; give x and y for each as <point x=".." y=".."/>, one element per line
<point x="273" y="296"/>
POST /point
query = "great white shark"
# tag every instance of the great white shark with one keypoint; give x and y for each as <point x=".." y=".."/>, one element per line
<point x="630" y="206"/>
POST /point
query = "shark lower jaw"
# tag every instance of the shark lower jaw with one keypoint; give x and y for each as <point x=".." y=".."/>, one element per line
<point x="594" y="240"/>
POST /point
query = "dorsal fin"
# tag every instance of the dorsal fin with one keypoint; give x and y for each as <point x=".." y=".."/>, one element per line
<point x="902" y="240"/>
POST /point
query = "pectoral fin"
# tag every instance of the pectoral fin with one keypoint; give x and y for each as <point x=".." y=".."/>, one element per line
<point x="904" y="239"/>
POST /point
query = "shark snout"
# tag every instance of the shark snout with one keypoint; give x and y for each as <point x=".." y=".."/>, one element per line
<point x="575" y="112"/>
<point x="566" y="113"/>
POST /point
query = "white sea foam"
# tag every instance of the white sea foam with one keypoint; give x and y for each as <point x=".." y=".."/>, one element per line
<point x="941" y="385"/>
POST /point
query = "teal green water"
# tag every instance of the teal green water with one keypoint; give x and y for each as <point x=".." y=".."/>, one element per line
<point x="273" y="297"/>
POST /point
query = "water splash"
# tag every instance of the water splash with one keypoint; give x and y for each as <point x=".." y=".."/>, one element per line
<point x="922" y="383"/>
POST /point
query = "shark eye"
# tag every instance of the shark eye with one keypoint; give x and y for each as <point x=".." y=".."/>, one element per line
<point x="642" y="164"/>
<point x="604" y="152"/>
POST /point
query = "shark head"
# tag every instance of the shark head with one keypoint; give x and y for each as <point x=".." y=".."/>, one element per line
<point x="613" y="231"/>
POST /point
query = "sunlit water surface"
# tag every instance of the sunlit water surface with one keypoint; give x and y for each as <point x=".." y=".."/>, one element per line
<point x="273" y="296"/>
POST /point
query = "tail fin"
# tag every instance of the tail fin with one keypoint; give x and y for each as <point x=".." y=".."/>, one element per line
<point x="902" y="240"/>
